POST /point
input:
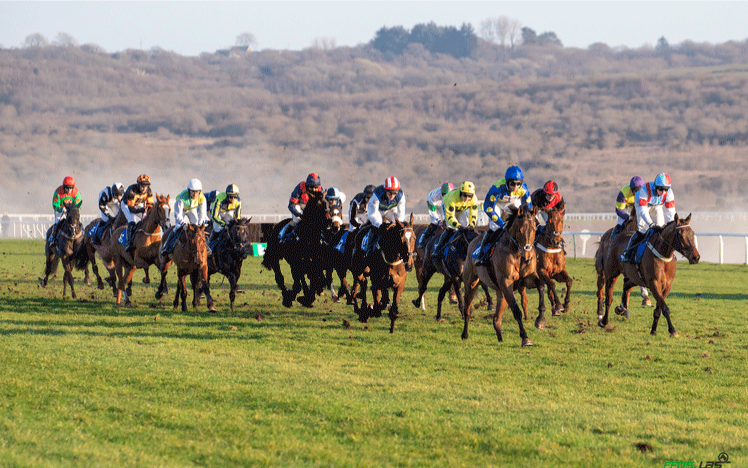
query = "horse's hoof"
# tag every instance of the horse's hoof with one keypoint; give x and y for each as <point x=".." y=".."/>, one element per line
<point x="87" y="282"/>
<point x="464" y="336"/>
<point x="600" y="324"/>
<point x="626" y="314"/>
<point x="337" y="300"/>
<point x="620" y="310"/>
<point x="674" y="334"/>
<point x="453" y="300"/>
<point x="213" y="310"/>
<point x="540" y="323"/>
<point x="526" y="342"/>
<point x="417" y="302"/>
<point x="646" y="302"/>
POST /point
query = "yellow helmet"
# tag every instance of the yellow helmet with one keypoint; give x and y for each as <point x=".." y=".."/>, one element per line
<point x="467" y="187"/>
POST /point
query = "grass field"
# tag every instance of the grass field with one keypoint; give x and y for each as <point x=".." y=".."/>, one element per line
<point x="85" y="383"/>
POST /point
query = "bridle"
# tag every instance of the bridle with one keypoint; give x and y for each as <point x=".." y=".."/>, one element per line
<point x="675" y="245"/>
<point x="401" y="257"/>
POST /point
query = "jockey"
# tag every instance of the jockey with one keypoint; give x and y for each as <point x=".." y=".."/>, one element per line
<point x="387" y="202"/>
<point x="506" y="193"/>
<point x="227" y="206"/>
<point x="654" y="198"/>
<point x="461" y="209"/>
<point x="110" y="200"/>
<point x="335" y="199"/>
<point x="435" y="205"/>
<point x="65" y="196"/>
<point x="297" y="202"/>
<point x="138" y="197"/>
<point x="357" y="214"/>
<point x="190" y="208"/>
<point x="625" y="201"/>
<point x="547" y="199"/>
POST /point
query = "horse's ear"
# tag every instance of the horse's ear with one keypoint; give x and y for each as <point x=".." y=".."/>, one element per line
<point x="676" y="219"/>
<point x="688" y="219"/>
<point x="410" y="223"/>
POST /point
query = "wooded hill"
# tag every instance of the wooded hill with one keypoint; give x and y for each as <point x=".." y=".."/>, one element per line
<point x="590" y="119"/>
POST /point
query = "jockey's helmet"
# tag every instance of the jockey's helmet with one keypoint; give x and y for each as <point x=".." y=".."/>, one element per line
<point x="551" y="187"/>
<point x="313" y="182"/>
<point x="446" y="188"/>
<point x="662" y="181"/>
<point x="636" y="183"/>
<point x="118" y="189"/>
<point x="369" y="191"/>
<point x="232" y="190"/>
<point x="195" y="185"/>
<point x="333" y="193"/>
<point x="68" y="182"/>
<point x="514" y="173"/>
<point x="467" y="188"/>
<point x="391" y="183"/>
<point x="144" y="180"/>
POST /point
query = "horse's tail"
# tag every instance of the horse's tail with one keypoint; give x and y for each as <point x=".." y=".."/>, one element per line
<point x="81" y="257"/>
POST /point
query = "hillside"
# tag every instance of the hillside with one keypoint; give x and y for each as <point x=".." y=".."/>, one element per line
<point x="590" y="119"/>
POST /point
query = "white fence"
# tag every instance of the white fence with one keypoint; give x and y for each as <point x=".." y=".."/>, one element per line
<point x="581" y="231"/>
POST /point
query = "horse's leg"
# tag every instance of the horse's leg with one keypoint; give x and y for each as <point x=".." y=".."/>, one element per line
<point x="498" y="316"/>
<point x="147" y="277"/>
<point x="69" y="277"/>
<point x="180" y="285"/>
<point x="127" y="279"/>
<point x="564" y="277"/>
<point x="522" y="289"/>
<point x="423" y="283"/>
<point x="204" y="281"/>
<point x="162" y="286"/>
<point x="489" y="299"/>
<point x="600" y="292"/>
<point x="281" y="282"/>
<point x="442" y="292"/>
<point x="506" y="286"/>
<point x="395" y="300"/>
<point x="183" y="290"/>
<point x="471" y="285"/>
<point x="540" y="321"/>
<point x="94" y="267"/>
<point x="609" y="285"/>
<point x="361" y="310"/>
<point x="623" y="309"/>
<point x="233" y="282"/>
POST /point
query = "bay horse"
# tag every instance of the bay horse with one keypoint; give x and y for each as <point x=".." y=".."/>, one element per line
<point x="656" y="270"/>
<point x="550" y="267"/>
<point x="451" y="267"/>
<point x="512" y="258"/>
<point x="69" y="249"/>
<point x="147" y="247"/>
<point x="388" y="266"/>
<point x="303" y="252"/>
<point x="190" y="256"/>
<point x="230" y="250"/>
<point x="101" y="248"/>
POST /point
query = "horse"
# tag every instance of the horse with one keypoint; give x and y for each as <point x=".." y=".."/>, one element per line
<point x="147" y="247"/>
<point x="102" y="248"/>
<point x="190" y="256"/>
<point x="387" y="267"/>
<point x="656" y="270"/>
<point x="338" y="260"/>
<point x="303" y="252"/>
<point x="451" y="267"/>
<point x="335" y="233"/>
<point x="70" y="250"/>
<point x="231" y="248"/>
<point x="512" y="258"/>
<point x="421" y="255"/>
<point x="550" y="267"/>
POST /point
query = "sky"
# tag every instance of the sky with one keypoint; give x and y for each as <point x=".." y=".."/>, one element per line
<point x="191" y="28"/>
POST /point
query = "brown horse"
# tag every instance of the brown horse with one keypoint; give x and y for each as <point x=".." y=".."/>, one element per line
<point x="69" y="249"/>
<point x="190" y="256"/>
<point x="656" y="270"/>
<point x="550" y="267"/>
<point x="387" y="267"/>
<point x="102" y="248"/>
<point x="512" y="258"/>
<point x="451" y="267"/>
<point x="147" y="246"/>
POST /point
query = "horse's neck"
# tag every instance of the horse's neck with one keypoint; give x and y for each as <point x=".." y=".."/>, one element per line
<point x="151" y="223"/>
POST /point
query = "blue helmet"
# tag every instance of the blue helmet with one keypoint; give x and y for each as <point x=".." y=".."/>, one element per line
<point x="333" y="193"/>
<point x="636" y="183"/>
<point x="313" y="182"/>
<point x="514" y="173"/>
<point x="662" y="181"/>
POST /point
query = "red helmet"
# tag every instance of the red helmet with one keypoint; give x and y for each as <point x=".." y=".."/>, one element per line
<point x="550" y="187"/>
<point x="313" y="183"/>
<point x="391" y="183"/>
<point x="68" y="182"/>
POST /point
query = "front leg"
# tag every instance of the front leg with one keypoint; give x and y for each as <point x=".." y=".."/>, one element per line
<point x="506" y="287"/>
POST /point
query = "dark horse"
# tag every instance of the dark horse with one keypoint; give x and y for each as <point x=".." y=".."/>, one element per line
<point x="387" y="267"/>
<point x="331" y="263"/>
<point x="70" y="250"/>
<point x="450" y="266"/>
<point x="550" y="267"/>
<point x="232" y="247"/>
<point x="102" y="248"/>
<point x="512" y="258"/>
<point x="190" y="256"/>
<point x="303" y="252"/>
<point x="656" y="271"/>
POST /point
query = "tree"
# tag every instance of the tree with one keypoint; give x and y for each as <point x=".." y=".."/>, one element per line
<point x="529" y="36"/>
<point x="35" y="40"/>
<point x="65" y="40"/>
<point x="662" y="47"/>
<point x="246" y="39"/>
<point x="324" y="43"/>
<point x="513" y="29"/>
<point x="391" y="39"/>
<point x="549" y="38"/>
<point x="499" y="30"/>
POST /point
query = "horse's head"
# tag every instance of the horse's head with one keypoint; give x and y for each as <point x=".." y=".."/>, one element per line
<point x="681" y="237"/>
<point x="315" y="221"/>
<point x="554" y="228"/>
<point x="239" y="236"/>
<point x="196" y="243"/>
<point x="398" y="243"/>
<point x="336" y="217"/>
<point x="72" y="221"/>
<point x="163" y="211"/>
<point x="522" y="230"/>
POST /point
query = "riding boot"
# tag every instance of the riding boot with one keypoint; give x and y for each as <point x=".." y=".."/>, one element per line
<point x="426" y="235"/>
<point x="53" y="236"/>
<point x="131" y="227"/>
<point x="96" y="239"/>
<point x="436" y="253"/>
<point x="489" y="239"/>
<point x="372" y="244"/>
<point x="213" y="239"/>
<point x="629" y="253"/>
<point x="616" y="230"/>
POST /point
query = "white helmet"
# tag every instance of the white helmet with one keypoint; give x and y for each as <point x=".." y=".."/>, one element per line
<point x="195" y="185"/>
